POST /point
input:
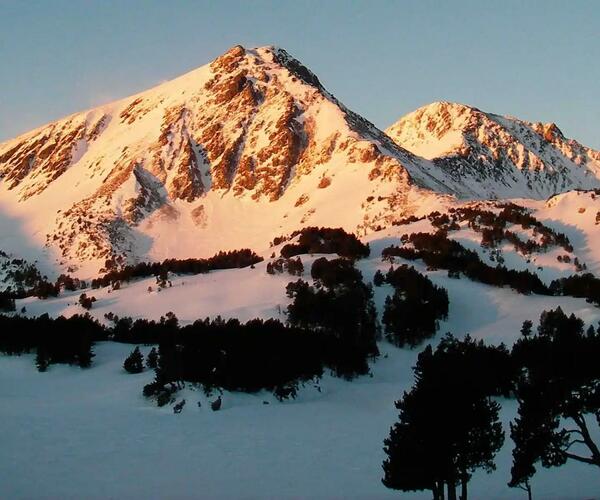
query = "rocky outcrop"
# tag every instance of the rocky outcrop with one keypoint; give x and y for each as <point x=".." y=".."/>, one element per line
<point x="44" y="155"/>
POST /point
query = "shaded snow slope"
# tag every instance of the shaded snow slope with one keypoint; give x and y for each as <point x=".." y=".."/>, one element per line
<point x="328" y="444"/>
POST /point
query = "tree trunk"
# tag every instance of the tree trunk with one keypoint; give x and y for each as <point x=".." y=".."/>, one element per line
<point x="451" y="490"/>
<point x="440" y="487"/>
<point x="463" y="489"/>
<point x="438" y="490"/>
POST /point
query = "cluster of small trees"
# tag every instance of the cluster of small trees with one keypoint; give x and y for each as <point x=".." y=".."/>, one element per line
<point x="443" y="221"/>
<point x="28" y="280"/>
<point x="332" y="324"/>
<point x="413" y="311"/>
<point x="440" y="252"/>
<point x="259" y="354"/>
<point x="325" y="240"/>
<point x="223" y="260"/>
<point x="22" y="273"/>
<point x="493" y="228"/>
<point x="60" y="340"/>
<point x="41" y="288"/>
<point x="553" y="374"/>
<point x="86" y="302"/>
<point x="584" y="285"/>
<point x="407" y="220"/>
<point x="339" y="307"/>
<point x="252" y="356"/>
<point x="134" y="363"/>
<point x="281" y="265"/>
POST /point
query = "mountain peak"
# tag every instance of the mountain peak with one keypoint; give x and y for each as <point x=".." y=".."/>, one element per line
<point x="499" y="156"/>
<point x="254" y="131"/>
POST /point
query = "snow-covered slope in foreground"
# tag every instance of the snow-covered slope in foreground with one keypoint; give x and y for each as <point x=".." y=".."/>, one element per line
<point x="329" y="444"/>
<point x="490" y="156"/>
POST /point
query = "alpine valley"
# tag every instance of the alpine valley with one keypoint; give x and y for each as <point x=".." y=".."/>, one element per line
<point x="234" y="181"/>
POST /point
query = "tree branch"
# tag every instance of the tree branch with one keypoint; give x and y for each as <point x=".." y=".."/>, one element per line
<point x="580" y="421"/>
<point x="573" y="431"/>
<point x="580" y="441"/>
<point x="585" y="460"/>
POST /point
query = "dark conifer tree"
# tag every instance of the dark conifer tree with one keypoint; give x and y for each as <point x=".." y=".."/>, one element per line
<point x="526" y="328"/>
<point x="412" y="312"/>
<point x="41" y="360"/>
<point x="152" y="359"/>
<point x="558" y="391"/>
<point x="134" y="363"/>
<point x="432" y="446"/>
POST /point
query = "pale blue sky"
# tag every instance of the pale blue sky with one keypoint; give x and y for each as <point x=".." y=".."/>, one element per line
<point x="538" y="60"/>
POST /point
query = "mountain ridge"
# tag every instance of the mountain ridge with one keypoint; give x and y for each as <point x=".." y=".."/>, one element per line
<point x="504" y="156"/>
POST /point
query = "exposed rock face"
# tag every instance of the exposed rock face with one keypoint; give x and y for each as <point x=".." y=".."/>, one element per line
<point x="44" y="156"/>
<point x="251" y="125"/>
<point x="490" y="156"/>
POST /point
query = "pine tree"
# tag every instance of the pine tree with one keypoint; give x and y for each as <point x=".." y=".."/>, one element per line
<point x="526" y="328"/>
<point x="431" y="447"/>
<point x="557" y="392"/>
<point x="378" y="278"/>
<point x="41" y="360"/>
<point x="152" y="359"/>
<point x="134" y="362"/>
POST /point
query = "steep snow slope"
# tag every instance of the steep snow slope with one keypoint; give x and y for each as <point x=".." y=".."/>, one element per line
<point x="489" y="156"/>
<point x="228" y="155"/>
<point x="577" y="214"/>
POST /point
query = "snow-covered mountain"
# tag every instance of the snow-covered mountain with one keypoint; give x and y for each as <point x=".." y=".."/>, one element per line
<point x="234" y="153"/>
<point x="245" y="149"/>
<point x="483" y="155"/>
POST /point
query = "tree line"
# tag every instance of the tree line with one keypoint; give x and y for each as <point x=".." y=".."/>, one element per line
<point x="222" y="260"/>
<point x="493" y="227"/>
<point x="440" y="252"/>
<point x="325" y="240"/>
<point x="60" y="340"/>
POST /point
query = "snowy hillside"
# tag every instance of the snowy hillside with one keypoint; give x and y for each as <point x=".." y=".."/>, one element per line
<point x="484" y="155"/>
<point x="327" y="443"/>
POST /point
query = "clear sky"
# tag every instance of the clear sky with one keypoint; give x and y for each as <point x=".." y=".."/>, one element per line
<point x="538" y="60"/>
